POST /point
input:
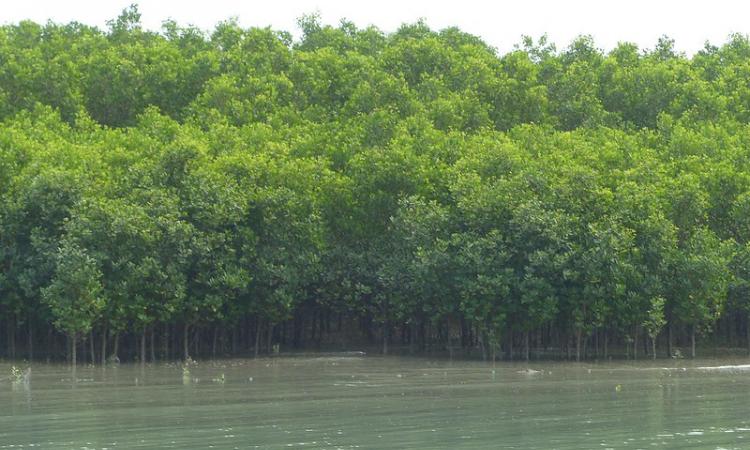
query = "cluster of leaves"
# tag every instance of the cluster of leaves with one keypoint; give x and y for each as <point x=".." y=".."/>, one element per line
<point x="410" y="177"/>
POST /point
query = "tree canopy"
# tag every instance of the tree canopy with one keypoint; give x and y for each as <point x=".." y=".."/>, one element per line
<point x="417" y="184"/>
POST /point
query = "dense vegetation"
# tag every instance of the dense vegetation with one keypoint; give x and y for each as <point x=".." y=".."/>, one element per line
<point x="174" y="193"/>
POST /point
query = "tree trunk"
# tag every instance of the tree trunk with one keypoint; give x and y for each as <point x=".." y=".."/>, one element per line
<point x="526" y="345"/>
<point x="747" y="333"/>
<point x="50" y="344"/>
<point x="730" y="318"/>
<point x="104" y="346"/>
<point x="73" y="345"/>
<point x="143" y="347"/>
<point x="12" y="337"/>
<point x="510" y="344"/>
<point x="197" y="340"/>
<point x="213" y="342"/>
<point x="83" y="349"/>
<point x="186" y="352"/>
<point x="31" y="342"/>
<point x="635" y="343"/>
<point x="165" y="343"/>
<point x="482" y="347"/>
<point x="116" y="350"/>
<point x="385" y="338"/>
<point x="234" y="340"/>
<point x="653" y="347"/>
<point x="312" y="328"/>
<point x="269" y="341"/>
<point x="669" y="340"/>
<point x="606" y="341"/>
<point x="92" y="348"/>
<point x="596" y="343"/>
<point x="578" y="345"/>
<point x="692" y="341"/>
<point x="412" y="337"/>
<point x="585" y="352"/>
<point x="257" y="337"/>
<point x="153" y="345"/>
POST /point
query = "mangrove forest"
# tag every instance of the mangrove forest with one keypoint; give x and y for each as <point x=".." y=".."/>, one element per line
<point x="186" y="193"/>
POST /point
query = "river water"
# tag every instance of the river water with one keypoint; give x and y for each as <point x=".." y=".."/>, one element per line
<point x="332" y="401"/>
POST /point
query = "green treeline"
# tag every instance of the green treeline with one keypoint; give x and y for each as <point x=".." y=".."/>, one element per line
<point x="175" y="193"/>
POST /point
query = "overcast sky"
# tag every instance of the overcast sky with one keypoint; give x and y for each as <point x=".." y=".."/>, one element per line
<point x="501" y="24"/>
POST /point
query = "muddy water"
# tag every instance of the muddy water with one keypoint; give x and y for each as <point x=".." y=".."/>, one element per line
<point x="329" y="401"/>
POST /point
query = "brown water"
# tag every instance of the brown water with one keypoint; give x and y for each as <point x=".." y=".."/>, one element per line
<point x="379" y="402"/>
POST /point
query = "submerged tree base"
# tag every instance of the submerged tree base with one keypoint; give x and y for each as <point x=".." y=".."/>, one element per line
<point x="348" y="337"/>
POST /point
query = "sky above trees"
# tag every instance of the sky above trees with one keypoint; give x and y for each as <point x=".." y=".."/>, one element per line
<point x="500" y="24"/>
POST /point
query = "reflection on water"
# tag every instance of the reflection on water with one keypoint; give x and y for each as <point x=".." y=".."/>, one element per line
<point x="378" y="402"/>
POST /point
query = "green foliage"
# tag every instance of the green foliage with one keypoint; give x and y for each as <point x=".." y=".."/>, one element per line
<point x="74" y="294"/>
<point x="409" y="178"/>
<point x="655" y="320"/>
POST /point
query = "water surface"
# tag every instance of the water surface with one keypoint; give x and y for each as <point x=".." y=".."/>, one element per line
<point x="327" y="401"/>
